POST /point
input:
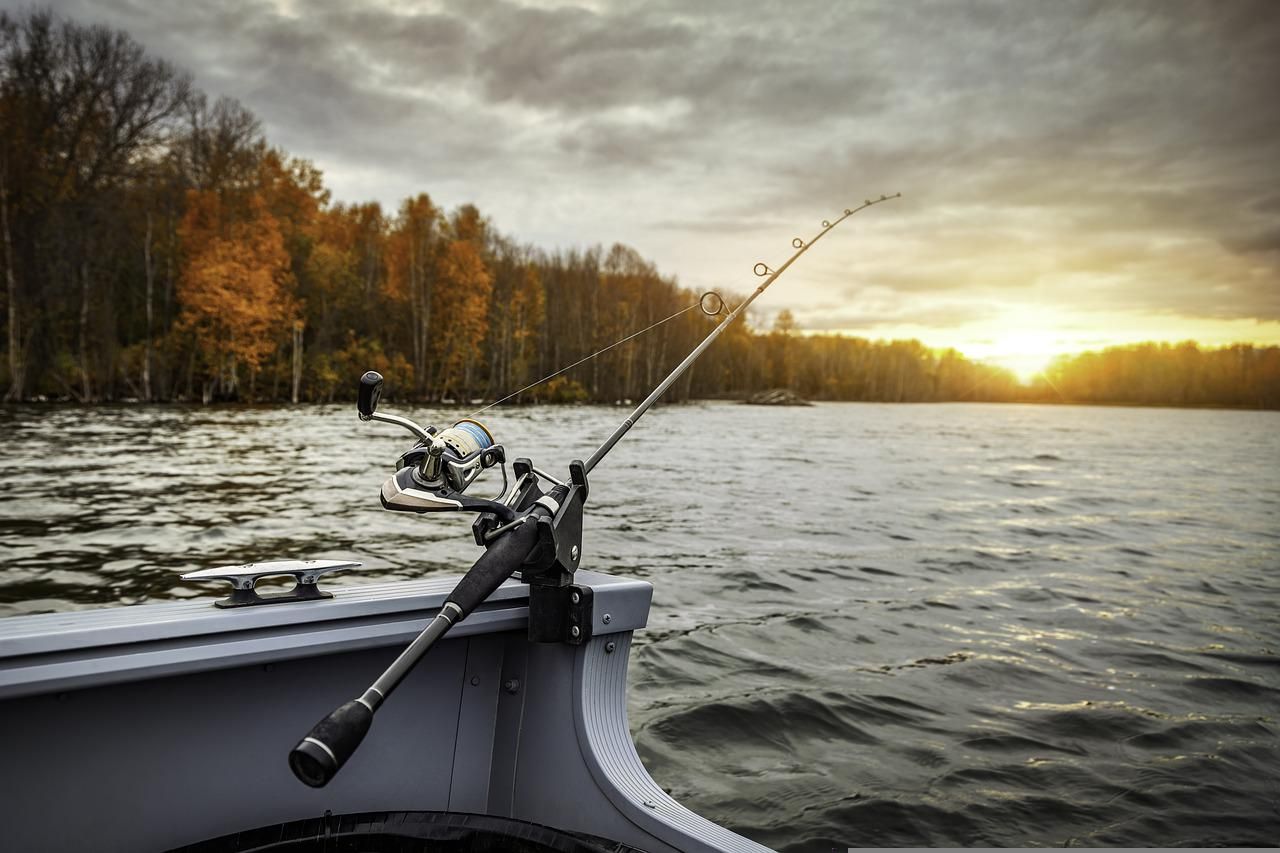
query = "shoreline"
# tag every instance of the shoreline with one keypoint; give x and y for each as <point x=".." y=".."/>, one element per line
<point x="281" y="404"/>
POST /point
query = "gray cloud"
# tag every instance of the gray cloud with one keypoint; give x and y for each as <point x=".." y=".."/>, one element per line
<point x="1262" y="241"/>
<point x="1071" y="154"/>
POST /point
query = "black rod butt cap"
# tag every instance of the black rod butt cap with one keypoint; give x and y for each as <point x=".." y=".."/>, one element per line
<point x="320" y="755"/>
<point x="370" y="393"/>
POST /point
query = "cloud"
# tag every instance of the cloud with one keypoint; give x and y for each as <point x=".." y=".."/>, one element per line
<point x="873" y="317"/>
<point x="1262" y="241"/>
<point x="1070" y="155"/>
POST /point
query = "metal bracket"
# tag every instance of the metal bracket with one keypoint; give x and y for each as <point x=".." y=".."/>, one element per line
<point x="559" y="610"/>
<point x="243" y="579"/>
<point x="580" y="614"/>
<point x="560" y="614"/>
<point x="560" y="537"/>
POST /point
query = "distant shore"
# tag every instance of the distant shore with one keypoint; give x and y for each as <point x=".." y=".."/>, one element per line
<point x="621" y="404"/>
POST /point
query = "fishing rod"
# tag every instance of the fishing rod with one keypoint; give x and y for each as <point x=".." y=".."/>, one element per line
<point x="527" y="531"/>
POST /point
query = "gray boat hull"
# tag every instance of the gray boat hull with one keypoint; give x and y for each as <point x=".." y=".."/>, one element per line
<point x="158" y="726"/>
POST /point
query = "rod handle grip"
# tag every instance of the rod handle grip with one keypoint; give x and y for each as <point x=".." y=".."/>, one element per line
<point x="320" y="755"/>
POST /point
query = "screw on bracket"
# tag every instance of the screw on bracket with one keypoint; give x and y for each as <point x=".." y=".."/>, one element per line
<point x="609" y="647"/>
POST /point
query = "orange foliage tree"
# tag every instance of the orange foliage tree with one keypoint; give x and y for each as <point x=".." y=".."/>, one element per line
<point x="463" y="307"/>
<point x="236" y="289"/>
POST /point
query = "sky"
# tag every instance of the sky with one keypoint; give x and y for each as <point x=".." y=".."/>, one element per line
<point x="1073" y="174"/>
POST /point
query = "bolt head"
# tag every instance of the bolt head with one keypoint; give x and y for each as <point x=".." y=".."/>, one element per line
<point x="573" y="552"/>
<point x="575" y="631"/>
<point x="577" y="599"/>
<point x="606" y="619"/>
<point x="609" y="647"/>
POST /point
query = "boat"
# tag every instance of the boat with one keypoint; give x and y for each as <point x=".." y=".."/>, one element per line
<point x="163" y="726"/>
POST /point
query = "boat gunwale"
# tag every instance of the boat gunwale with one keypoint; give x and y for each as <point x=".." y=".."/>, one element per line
<point x="45" y="653"/>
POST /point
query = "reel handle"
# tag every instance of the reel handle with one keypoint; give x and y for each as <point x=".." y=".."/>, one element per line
<point x="369" y="395"/>
<point x="370" y="392"/>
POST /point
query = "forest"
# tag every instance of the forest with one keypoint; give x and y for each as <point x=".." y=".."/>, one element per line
<point x="156" y="247"/>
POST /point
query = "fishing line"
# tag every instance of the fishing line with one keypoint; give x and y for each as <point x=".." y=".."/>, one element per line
<point x="707" y="299"/>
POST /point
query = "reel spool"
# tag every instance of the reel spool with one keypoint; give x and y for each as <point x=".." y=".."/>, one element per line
<point x="455" y="456"/>
<point x="467" y="436"/>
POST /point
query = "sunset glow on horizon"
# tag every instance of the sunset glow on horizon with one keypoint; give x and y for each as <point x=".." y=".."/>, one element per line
<point x="1025" y="345"/>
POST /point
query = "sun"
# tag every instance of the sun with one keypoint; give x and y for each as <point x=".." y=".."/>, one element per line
<point x="1024" y="352"/>
<point x="1026" y="367"/>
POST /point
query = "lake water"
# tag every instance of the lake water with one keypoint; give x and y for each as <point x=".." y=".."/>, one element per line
<point x="873" y="624"/>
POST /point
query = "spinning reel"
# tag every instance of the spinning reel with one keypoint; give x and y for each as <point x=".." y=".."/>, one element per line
<point x="433" y="475"/>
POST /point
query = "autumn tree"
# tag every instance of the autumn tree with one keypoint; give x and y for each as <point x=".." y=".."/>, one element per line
<point x="782" y="349"/>
<point x="462" y="307"/>
<point x="412" y="253"/>
<point x="236" y="290"/>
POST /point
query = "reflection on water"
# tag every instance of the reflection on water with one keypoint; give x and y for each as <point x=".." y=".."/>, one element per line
<point x="873" y="625"/>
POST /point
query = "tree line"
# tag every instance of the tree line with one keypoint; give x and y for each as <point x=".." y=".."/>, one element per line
<point x="157" y="247"/>
<point x="1182" y="374"/>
